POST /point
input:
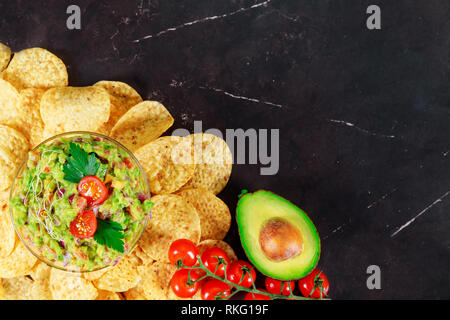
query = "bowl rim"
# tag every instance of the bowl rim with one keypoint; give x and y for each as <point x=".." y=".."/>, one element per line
<point x="19" y="170"/>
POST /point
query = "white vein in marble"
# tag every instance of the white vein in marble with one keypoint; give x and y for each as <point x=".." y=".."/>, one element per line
<point x="206" y="19"/>
<point x="349" y="124"/>
<point x="408" y="223"/>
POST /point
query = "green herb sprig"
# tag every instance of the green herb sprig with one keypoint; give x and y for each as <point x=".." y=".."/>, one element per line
<point x="80" y="164"/>
<point x="110" y="234"/>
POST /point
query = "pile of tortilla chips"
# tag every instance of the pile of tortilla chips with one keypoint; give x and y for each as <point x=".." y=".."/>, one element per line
<point x="184" y="173"/>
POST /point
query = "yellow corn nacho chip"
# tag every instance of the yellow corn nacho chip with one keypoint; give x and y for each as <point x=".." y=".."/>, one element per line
<point x="5" y="56"/>
<point x="7" y="233"/>
<point x="141" y="124"/>
<point x="206" y="244"/>
<point x="159" y="158"/>
<point x="18" y="263"/>
<point x="17" y="288"/>
<point x="213" y="160"/>
<point x="172" y="218"/>
<point x="40" y="271"/>
<point x="123" y="97"/>
<point x="215" y="217"/>
<point x="32" y="124"/>
<point x="10" y="103"/>
<point x="71" y="286"/>
<point x="108" y="295"/>
<point x="120" y="278"/>
<point x="2" y="292"/>
<point x="145" y="258"/>
<point x="40" y="290"/>
<point x="15" y="142"/>
<point x="37" y="68"/>
<point x="94" y="275"/>
<point x="74" y="109"/>
<point x="155" y="282"/>
<point x="13" y="150"/>
<point x="135" y="293"/>
<point x="4" y="197"/>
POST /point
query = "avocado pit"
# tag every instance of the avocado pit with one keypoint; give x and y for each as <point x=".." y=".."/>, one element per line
<point x="280" y="240"/>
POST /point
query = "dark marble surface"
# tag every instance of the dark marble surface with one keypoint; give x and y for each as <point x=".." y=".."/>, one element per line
<point x="363" y="115"/>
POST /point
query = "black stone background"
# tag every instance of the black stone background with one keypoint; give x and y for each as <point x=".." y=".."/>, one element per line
<point x="319" y="62"/>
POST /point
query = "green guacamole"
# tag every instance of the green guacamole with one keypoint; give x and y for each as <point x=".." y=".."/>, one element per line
<point x="42" y="187"/>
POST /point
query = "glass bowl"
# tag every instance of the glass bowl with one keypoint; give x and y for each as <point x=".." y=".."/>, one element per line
<point x="24" y="234"/>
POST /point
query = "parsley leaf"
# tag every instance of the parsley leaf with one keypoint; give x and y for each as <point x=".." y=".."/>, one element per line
<point x="80" y="164"/>
<point x="110" y="234"/>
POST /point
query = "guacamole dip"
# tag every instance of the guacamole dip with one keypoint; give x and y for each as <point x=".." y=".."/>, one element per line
<point x="80" y="202"/>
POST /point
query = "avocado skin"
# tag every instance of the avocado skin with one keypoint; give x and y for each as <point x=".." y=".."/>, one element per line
<point x="276" y="272"/>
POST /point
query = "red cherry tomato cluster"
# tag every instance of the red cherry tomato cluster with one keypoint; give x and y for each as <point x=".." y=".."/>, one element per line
<point x="185" y="283"/>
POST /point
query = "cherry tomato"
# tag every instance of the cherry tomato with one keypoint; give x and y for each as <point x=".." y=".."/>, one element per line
<point x="93" y="189"/>
<point x="235" y="272"/>
<point x="257" y="296"/>
<point x="185" y="250"/>
<point x="274" y="286"/>
<point x="210" y="259"/>
<point x="180" y="286"/>
<point x="84" y="225"/>
<point x="213" y="288"/>
<point x="315" y="285"/>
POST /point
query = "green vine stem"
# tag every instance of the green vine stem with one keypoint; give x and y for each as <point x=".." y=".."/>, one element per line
<point x="238" y="287"/>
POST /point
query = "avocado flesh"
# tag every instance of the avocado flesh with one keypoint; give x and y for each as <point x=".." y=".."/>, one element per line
<point x="253" y="211"/>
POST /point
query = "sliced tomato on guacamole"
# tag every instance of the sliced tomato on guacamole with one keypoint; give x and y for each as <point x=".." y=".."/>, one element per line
<point x="93" y="189"/>
<point x="84" y="225"/>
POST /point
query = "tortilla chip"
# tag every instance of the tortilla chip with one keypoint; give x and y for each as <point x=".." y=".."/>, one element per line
<point x="214" y="163"/>
<point x="40" y="271"/>
<point x="18" y="263"/>
<point x="20" y="110"/>
<point x="71" y="286"/>
<point x="2" y="292"/>
<point x="14" y="142"/>
<point x="74" y="109"/>
<point x="159" y="158"/>
<point x="141" y="124"/>
<point x="13" y="150"/>
<point x="206" y="244"/>
<point x="10" y="105"/>
<point x="120" y="278"/>
<point x="32" y="124"/>
<point x="37" y="68"/>
<point x="155" y="282"/>
<point x="17" y="288"/>
<point x="215" y="217"/>
<point x="107" y="295"/>
<point x="122" y="96"/>
<point x="135" y="293"/>
<point x="94" y="275"/>
<point x="4" y="197"/>
<point x="145" y="258"/>
<point x="5" y="56"/>
<point x="172" y="218"/>
<point x="7" y="233"/>
<point x="40" y="290"/>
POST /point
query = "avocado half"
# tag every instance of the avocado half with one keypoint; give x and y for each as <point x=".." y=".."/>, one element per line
<point x="278" y="237"/>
